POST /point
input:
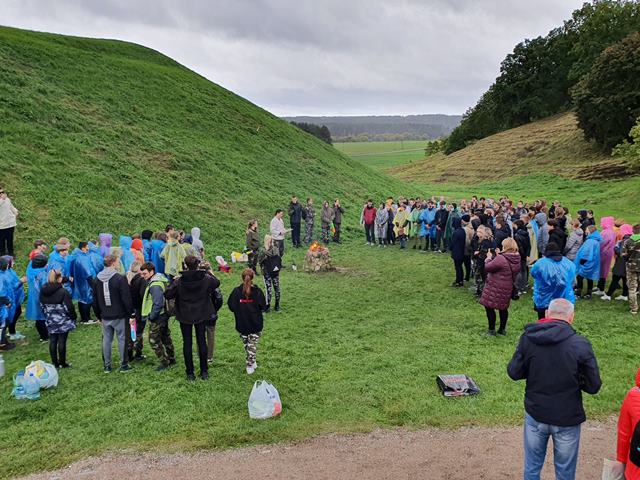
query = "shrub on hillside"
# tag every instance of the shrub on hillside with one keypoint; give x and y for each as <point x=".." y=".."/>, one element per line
<point x="608" y="97"/>
<point x="630" y="149"/>
<point x="321" y="132"/>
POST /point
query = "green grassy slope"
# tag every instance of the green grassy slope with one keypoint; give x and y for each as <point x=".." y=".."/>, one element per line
<point x="100" y="135"/>
<point x="384" y="155"/>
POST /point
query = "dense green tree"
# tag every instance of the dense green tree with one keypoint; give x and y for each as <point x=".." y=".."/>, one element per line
<point x="322" y="132"/>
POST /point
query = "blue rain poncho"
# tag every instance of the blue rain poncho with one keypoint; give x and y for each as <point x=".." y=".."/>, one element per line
<point x="127" y="257"/>
<point x="156" y="249"/>
<point x="83" y="272"/>
<point x="36" y="278"/>
<point x="553" y="278"/>
<point x="428" y="217"/>
<point x="62" y="264"/>
<point x="587" y="260"/>
<point x="97" y="261"/>
<point x="14" y="289"/>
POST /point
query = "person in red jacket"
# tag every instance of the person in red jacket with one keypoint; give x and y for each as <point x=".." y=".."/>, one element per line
<point x="368" y="219"/>
<point x="627" y="423"/>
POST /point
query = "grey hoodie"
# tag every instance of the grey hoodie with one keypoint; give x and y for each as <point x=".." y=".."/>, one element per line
<point x="543" y="231"/>
<point x="573" y="244"/>
<point x="104" y="276"/>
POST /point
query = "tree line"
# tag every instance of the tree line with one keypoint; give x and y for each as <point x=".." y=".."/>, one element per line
<point x="591" y="64"/>
<point x="319" y="131"/>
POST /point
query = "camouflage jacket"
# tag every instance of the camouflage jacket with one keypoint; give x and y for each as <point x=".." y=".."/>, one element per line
<point x="311" y="214"/>
<point x="631" y="253"/>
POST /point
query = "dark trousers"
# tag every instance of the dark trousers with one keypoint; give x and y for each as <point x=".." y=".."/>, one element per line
<point x="295" y="234"/>
<point x="467" y="267"/>
<point x="139" y="343"/>
<point x="615" y="284"/>
<point x="336" y="235"/>
<point x="459" y="275"/>
<point x="58" y="348"/>
<point x="85" y="311"/>
<point x="369" y="231"/>
<point x="187" y="347"/>
<point x="580" y="282"/>
<point x="602" y="283"/>
<point x="491" y="317"/>
<point x="3" y="336"/>
<point x="441" y="240"/>
<point x="6" y="241"/>
<point x="541" y="312"/>
<point x="14" y="320"/>
<point x="41" y="326"/>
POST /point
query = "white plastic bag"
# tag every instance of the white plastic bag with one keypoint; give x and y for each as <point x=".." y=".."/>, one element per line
<point x="46" y="373"/>
<point x="612" y="470"/>
<point x="264" y="401"/>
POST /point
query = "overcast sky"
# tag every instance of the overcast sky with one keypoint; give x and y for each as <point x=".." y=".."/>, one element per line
<point x="318" y="57"/>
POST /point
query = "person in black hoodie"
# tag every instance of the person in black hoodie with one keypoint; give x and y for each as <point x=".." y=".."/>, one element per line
<point x="112" y="304"/>
<point x="337" y="220"/>
<point x="194" y="292"/>
<point x="458" y="244"/>
<point x="296" y="215"/>
<point x="557" y="235"/>
<point x="502" y="231"/>
<point x="60" y="317"/>
<point x="558" y="365"/>
<point x="247" y="303"/>
<point x="442" y="215"/>
<point x="523" y="241"/>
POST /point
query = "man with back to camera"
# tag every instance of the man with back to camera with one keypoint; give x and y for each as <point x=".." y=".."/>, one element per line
<point x="558" y="365"/>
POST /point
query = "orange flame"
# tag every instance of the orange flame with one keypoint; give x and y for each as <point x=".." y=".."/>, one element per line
<point x="316" y="247"/>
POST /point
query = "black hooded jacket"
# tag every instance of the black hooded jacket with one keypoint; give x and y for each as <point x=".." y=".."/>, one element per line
<point x="195" y="295"/>
<point x="558" y="365"/>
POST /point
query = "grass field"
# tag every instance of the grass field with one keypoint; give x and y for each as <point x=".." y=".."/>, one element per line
<point x="384" y="155"/>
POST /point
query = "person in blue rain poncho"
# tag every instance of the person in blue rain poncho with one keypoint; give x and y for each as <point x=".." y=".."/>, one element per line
<point x="587" y="261"/>
<point x="105" y="244"/>
<point x="36" y="278"/>
<point x="61" y="261"/>
<point x="83" y="271"/>
<point x="157" y="245"/>
<point x="14" y="288"/>
<point x="5" y="303"/>
<point x="428" y="225"/>
<point x="146" y="243"/>
<point x="127" y="256"/>
<point x="553" y="278"/>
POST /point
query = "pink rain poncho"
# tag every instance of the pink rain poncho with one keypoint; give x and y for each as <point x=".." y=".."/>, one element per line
<point x="607" y="245"/>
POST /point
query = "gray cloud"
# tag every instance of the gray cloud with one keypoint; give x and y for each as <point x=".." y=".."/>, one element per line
<point x="322" y="57"/>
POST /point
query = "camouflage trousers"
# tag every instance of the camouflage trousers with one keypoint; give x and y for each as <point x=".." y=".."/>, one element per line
<point x="272" y="285"/>
<point x="251" y="346"/>
<point x="308" y="232"/>
<point x="633" y="282"/>
<point x="325" y="227"/>
<point x="161" y="343"/>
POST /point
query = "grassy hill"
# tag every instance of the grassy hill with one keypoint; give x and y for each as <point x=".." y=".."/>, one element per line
<point x="100" y="135"/>
<point x="384" y="155"/>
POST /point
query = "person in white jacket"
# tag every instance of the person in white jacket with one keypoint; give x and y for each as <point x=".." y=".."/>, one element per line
<point x="277" y="230"/>
<point x="8" y="215"/>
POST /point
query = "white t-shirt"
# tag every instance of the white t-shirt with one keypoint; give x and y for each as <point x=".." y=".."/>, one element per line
<point x="277" y="228"/>
<point x="7" y="214"/>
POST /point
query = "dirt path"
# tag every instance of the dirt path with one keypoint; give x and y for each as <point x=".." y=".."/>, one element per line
<point x="468" y="453"/>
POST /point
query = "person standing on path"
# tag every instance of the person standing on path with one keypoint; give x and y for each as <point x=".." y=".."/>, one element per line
<point x="558" y="365"/>
<point x="194" y="292"/>
<point x="154" y="313"/>
<point x="338" y="211"/>
<point x="277" y="230"/>
<point x="8" y="222"/>
<point x="296" y="215"/>
<point x="309" y="221"/>
<point x="112" y="304"/>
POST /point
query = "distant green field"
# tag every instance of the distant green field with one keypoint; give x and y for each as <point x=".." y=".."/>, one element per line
<point x="383" y="155"/>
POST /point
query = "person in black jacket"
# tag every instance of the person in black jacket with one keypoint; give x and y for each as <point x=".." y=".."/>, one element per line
<point x="247" y="303"/>
<point x="296" y="215"/>
<point x="442" y="215"/>
<point x="194" y="292"/>
<point x="558" y="365"/>
<point x="112" y="304"/>
<point x="521" y="237"/>
<point x="557" y="235"/>
<point x="458" y="244"/>
<point x="60" y="317"/>
<point x="337" y="220"/>
<point x="137" y="287"/>
<point x="502" y="231"/>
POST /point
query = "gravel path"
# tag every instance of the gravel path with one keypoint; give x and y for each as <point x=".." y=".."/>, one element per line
<point x="467" y="453"/>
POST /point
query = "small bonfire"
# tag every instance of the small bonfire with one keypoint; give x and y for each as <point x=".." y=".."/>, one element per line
<point x="317" y="259"/>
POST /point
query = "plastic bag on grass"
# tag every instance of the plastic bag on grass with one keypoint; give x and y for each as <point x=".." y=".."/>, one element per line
<point x="264" y="401"/>
<point x="457" y="385"/>
<point x="612" y="470"/>
<point x="46" y="373"/>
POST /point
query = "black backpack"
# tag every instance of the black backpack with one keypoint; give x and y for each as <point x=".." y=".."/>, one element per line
<point x="634" y="449"/>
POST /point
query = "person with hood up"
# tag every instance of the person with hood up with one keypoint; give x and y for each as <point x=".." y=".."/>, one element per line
<point x="113" y="305"/>
<point x="457" y="245"/>
<point x="271" y="264"/>
<point x="428" y="219"/>
<point x="36" y="278"/>
<point x="60" y="317"/>
<point x="252" y="244"/>
<point x="196" y="243"/>
<point x="309" y="221"/>
<point x="574" y="242"/>
<point x="247" y="303"/>
<point x="105" y="244"/>
<point x="401" y="222"/>
<point x="558" y="365"/>
<point x="146" y="244"/>
<point x="14" y="289"/>
<point x="607" y="247"/>
<point x="557" y="235"/>
<point x="448" y="228"/>
<point x="126" y="255"/>
<point x="296" y="215"/>
<point x="629" y="432"/>
<point x="327" y="216"/>
<point x="157" y="247"/>
<point x="382" y="218"/>
<point x="154" y="312"/>
<point x="83" y="272"/>
<point x="502" y="269"/>
<point x="59" y="260"/>
<point x="521" y="236"/>
<point x="553" y="278"/>
<point x="194" y="292"/>
<point x="587" y="262"/>
<point x="542" y="237"/>
<point x="631" y="254"/>
<point x="442" y="217"/>
<point x="137" y="250"/>
<point x="368" y="220"/>
<point x="620" y="267"/>
<point x="173" y="255"/>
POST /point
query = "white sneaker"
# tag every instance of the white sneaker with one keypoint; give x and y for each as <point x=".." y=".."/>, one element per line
<point x="598" y="292"/>
<point x="251" y="369"/>
<point x="605" y="297"/>
<point x="623" y="298"/>
<point x="367" y="243"/>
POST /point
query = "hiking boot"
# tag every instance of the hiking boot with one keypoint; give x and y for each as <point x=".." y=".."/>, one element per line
<point x="5" y="347"/>
<point x="66" y="365"/>
<point x="268" y="309"/>
<point x="125" y="368"/>
<point x="586" y="297"/>
<point x="502" y="332"/>
<point x="191" y="377"/>
<point x="107" y="369"/>
<point x="139" y="358"/>
<point x="277" y="309"/>
<point x="491" y="333"/>
<point x="172" y="362"/>
<point x="457" y="285"/>
<point x="605" y="297"/>
<point x="204" y="375"/>
<point x="624" y="298"/>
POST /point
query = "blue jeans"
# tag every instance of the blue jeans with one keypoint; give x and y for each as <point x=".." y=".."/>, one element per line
<point x="566" y="443"/>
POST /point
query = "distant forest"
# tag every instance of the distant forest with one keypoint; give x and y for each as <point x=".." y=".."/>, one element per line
<point x="384" y="128"/>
